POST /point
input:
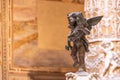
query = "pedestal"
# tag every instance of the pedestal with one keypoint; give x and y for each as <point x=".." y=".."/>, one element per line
<point x="82" y="76"/>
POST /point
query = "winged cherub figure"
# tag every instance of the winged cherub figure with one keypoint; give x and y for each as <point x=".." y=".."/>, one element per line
<point x="79" y="28"/>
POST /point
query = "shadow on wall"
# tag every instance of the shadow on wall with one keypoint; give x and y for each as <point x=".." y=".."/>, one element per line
<point x="50" y="61"/>
<point x="38" y="75"/>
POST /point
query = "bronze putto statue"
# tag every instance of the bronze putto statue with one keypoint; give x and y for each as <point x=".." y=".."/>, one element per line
<point x="79" y="28"/>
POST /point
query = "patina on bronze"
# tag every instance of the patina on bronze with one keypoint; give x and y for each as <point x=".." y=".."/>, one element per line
<point x="79" y="28"/>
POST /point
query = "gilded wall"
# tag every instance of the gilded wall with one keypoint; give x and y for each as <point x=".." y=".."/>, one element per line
<point x="34" y="43"/>
<point x="29" y="56"/>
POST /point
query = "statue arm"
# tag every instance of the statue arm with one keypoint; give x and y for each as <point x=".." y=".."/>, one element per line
<point x="68" y="46"/>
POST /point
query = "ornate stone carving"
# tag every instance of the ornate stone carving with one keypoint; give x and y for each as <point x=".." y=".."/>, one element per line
<point x="110" y="22"/>
<point x="111" y="58"/>
<point x="106" y="32"/>
<point x="6" y="39"/>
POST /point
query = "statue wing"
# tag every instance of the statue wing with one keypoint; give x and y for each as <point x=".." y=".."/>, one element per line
<point x="93" y="21"/>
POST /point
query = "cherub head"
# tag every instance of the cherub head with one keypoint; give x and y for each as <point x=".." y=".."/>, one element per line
<point x="77" y="19"/>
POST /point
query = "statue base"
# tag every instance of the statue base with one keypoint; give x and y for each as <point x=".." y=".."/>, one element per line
<point x="82" y="75"/>
<point x="88" y="76"/>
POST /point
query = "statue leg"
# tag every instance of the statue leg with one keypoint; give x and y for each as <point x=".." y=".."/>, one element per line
<point x="82" y="58"/>
<point x="74" y="55"/>
<point x="85" y="41"/>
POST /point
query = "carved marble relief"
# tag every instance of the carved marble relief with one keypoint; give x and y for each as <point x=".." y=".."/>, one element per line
<point x="107" y="59"/>
<point x="106" y="36"/>
<point x="110" y="22"/>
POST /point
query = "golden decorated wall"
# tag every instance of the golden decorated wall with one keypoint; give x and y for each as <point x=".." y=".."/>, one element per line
<point x="52" y="23"/>
<point x="41" y="34"/>
<point x="33" y="36"/>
